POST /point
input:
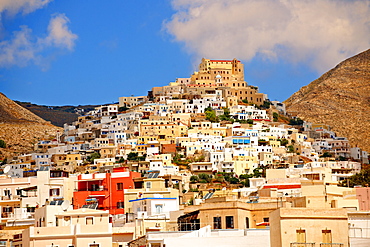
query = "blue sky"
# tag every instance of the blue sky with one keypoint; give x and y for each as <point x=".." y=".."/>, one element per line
<point x="74" y="52"/>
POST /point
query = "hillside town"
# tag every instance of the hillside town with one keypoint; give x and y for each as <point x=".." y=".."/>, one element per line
<point x="205" y="160"/>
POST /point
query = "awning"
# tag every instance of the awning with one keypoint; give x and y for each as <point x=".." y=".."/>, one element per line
<point x="91" y="199"/>
<point x="29" y="188"/>
<point x="263" y="224"/>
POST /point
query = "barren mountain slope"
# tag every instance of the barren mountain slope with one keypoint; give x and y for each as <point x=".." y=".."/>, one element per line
<point x="339" y="98"/>
<point x="20" y="128"/>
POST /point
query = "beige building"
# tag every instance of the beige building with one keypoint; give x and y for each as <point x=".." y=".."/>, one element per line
<point x="162" y="128"/>
<point x="152" y="187"/>
<point x="226" y="213"/>
<point x="229" y="70"/>
<point x="81" y="227"/>
<point x="131" y="101"/>
<point x="212" y="75"/>
<point x="296" y="227"/>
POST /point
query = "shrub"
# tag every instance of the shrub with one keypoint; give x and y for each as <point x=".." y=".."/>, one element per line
<point x="2" y="144"/>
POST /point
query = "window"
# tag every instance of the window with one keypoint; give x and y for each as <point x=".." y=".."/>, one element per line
<point x="67" y="220"/>
<point x="7" y="193"/>
<point x="120" y="205"/>
<point x="89" y="220"/>
<point x="54" y="192"/>
<point x="301" y="236"/>
<point x="326" y="236"/>
<point x="31" y="209"/>
<point x="229" y="222"/>
<point x="216" y="222"/>
<point x="148" y="185"/>
<point x="265" y="219"/>
<point x="246" y="222"/>
<point x="158" y="208"/>
<point x="94" y="245"/>
<point x="7" y="209"/>
<point x="119" y="186"/>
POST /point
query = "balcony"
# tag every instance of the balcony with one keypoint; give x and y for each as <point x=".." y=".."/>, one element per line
<point x="331" y="245"/>
<point x="302" y="244"/>
<point x="92" y="189"/>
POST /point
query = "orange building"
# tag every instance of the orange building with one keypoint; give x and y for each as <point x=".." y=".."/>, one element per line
<point x="104" y="190"/>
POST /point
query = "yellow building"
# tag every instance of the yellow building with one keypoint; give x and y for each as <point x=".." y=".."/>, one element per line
<point x="162" y="127"/>
<point x="244" y="164"/>
<point x="229" y="70"/>
<point x="212" y="75"/>
<point x="108" y="152"/>
<point x="297" y="227"/>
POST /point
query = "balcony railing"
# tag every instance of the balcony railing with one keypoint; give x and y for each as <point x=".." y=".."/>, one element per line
<point x="91" y="189"/>
<point x="297" y="244"/>
<point x="331" y="245"/>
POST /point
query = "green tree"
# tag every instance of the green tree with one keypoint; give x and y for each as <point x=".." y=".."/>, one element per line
<point x="284" y="142"/>
<point x="250" y="121"/>
<point x="326" y="155"/>
<point x="362" y="178"/>
<point x="257" y="173"/>
<point x="93" y="156"/>
<point x="194" y="179"/>
<point x="132" y="156"/>
<point x="121" y="160"/>
<point x="233" y="180"/>
<point x="204" y="178"/>
<point x="2" y="144"/>
<point x="211" y="115"/>
<point x="245" y="101"/>
<point x="266" y="105"/>
<point x="290" y="149"/>
<point x="295" y="121"/>
<point x="275" y="115"/>
<point x="341" y="158"/>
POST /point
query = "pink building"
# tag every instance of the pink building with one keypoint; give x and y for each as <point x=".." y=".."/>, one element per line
<point x="363" y="196"/>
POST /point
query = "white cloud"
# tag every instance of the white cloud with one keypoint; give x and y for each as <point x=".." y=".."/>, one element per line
<point x="23" y="48"/>
<point x="19" y="50"/>
<point x="59" y="34"/>
<point x="24" y="6"/>
<point x="320" y="33"/>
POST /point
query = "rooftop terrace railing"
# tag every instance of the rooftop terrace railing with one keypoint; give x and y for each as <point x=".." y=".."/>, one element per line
<point x="331" y="244"/>
<point x="297" y="244"/>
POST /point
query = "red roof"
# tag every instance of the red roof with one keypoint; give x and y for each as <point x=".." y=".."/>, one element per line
<point x="282" y="186"/>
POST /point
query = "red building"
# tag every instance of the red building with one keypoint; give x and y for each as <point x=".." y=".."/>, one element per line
<point x="104" y="190"/>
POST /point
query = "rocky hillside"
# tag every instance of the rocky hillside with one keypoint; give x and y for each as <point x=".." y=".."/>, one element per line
<point x="57" y="115"/>
<point x="20" y="128"/>
<point x="339" y="98"/>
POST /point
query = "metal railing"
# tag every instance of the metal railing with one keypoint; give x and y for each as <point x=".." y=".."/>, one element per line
<point x="297" y="244"/>
<point x="331" y="244"/>
<point x="91" y="189"/>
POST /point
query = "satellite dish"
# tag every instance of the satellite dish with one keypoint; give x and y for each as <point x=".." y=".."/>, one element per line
<point x="65" y="205"/>
<point x="6" y="169"/>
